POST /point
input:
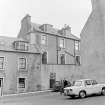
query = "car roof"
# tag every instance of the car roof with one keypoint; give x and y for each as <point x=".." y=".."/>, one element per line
<point x="83" y="79"/>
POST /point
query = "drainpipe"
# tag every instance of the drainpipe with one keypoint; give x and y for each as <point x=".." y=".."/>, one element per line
<point x="74" y="53"/>
<point x="57" y="48"/>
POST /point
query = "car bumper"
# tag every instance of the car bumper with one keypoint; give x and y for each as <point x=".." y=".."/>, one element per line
<point x="69" y="93"/>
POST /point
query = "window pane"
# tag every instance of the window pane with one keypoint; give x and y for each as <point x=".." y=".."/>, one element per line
<point x="21" y="82"/>
<point x="44" y="58"/>
<point x="43" y="39"/>
<point x="62" y="58"/>
<point x="21" y="45"/>
<point x="62" y="43"/>
<point x="76" y="45"/>
<point x="1" y="62"/>
<point x="78" y="60"/>
<point x="22" y="63"/>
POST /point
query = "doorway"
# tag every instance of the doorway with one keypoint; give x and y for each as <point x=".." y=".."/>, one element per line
<point x="52" y="79"/>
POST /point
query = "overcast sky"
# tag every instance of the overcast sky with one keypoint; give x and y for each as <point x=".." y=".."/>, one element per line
<point x="56" y="12"/>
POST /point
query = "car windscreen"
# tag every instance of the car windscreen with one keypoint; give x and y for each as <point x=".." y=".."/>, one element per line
<point x="77" y="83"/>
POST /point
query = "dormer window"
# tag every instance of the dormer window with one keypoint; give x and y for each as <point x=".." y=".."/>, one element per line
<point x="21" y="45"/>
<point x="46" y="27"/>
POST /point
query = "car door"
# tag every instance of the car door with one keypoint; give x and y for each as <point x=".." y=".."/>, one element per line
<point x="88" y="87"/>
<point x="96" y="87"/>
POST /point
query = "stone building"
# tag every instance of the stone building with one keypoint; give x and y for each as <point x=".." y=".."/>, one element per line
<point x="59" y="48"/>
<point x="93" y="43"/>
<point x="39" y="56"/>
<point x="19" y="66"/>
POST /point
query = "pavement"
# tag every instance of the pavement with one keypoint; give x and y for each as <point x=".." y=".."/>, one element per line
<point x="26" y="94"/>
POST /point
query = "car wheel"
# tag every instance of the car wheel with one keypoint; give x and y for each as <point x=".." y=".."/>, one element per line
<point x="82" y="94"/>
<point x="103" y="91"/>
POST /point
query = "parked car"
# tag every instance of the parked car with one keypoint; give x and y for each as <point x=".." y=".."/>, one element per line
<point x="57" y="86"/>
<point x="84" y="87"/>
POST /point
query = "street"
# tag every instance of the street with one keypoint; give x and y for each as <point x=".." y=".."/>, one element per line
<point x="51" y="98"/>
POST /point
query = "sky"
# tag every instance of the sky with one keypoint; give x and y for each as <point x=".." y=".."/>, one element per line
<point x="56" y="12"/>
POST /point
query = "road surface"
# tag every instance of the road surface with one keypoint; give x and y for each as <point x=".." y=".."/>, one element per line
<point x="51" y="98"/>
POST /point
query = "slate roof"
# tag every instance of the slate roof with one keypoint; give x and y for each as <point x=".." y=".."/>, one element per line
<point x="6" y="44"/>
<point x="54" y="32"/>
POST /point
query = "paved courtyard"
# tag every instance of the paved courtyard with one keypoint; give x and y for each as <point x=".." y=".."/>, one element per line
<point x="51" y="99"/>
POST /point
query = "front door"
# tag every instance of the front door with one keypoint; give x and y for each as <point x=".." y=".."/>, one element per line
<point x="52" y="79"/>
<point x="1" y="86"/>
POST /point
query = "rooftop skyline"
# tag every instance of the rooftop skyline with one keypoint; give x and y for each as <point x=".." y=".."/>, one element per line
<point x="56" y="12"/>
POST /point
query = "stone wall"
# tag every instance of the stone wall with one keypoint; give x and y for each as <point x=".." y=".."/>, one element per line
<point x="11" y="72"/>
<point x="69" y="72"/>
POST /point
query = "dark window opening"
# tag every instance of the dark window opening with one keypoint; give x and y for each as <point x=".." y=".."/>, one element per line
<point x="0" y="83"/>
<point x="44" y="58"/>
<point x="78" y="60"/>
<point x="21" y="82"/>
<point x="62" y="58"/>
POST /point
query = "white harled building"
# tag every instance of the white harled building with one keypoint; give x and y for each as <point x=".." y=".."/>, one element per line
<point x="93" y="43"/>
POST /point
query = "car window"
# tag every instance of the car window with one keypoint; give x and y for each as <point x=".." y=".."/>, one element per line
<point x="87" y="82"/>
<point x="94" y="82"/>
<point x="77" y="83"/>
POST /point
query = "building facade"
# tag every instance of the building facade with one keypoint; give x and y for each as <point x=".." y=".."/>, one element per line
<point x="58" y="46"/>
<point x="60" y="50"/>
<point x="93" y="43"/>
<point x="20" y="69"/>
<point x="36" y="59"/>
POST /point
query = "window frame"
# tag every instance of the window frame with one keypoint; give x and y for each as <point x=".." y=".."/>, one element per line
<point x="77" y="63"/>
<point x="62" y="43"/>
<point x="2" y="66"/>
<point x="46" y="58"/>
<point x="25" y="64"/>
<point x="21" y="45"/>
<point x="43" y="40"/>
<point x="76" y="45"/>
<point x="20" y="85"/>
<point x="64" y="59"/>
